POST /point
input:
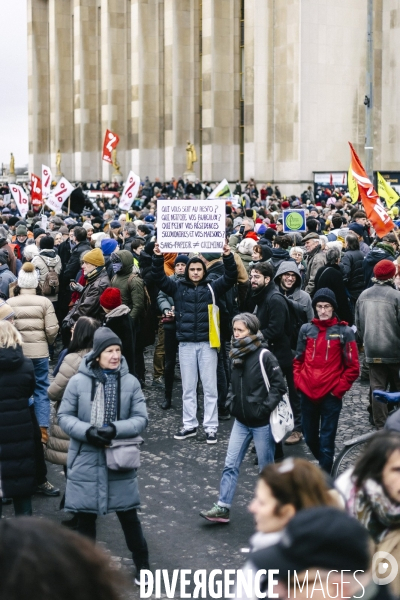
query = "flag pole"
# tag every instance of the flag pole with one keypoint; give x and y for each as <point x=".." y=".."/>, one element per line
<point x="368" y="100"/>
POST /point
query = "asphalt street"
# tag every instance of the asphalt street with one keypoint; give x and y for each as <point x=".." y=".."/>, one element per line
<point x="179" y="478"/>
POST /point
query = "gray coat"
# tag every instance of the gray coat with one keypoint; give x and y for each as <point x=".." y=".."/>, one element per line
<point x="377" y="320"/>
<point x="296" y="293"/>
<point x="91" y="486"/>
<point x="315" y="260"/>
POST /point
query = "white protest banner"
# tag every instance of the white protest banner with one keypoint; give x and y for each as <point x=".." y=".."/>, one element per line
<point x="46" y="181"/>
<point x="130" y="191"/>
<point x="7" y="199"/>
<point x="221" y="191"/>
<point x="59" y="195"/>
<point x="20" y="197"/>
<point x="191" y="225"/>
<point x="43" y="222"/>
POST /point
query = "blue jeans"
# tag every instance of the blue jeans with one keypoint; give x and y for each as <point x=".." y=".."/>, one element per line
<point x="40" y="397"/>
<point x="240" y="439"/>
<point x="320" y="421"/>
<point x="195" y="357"/>
<point x="22" y="506"/>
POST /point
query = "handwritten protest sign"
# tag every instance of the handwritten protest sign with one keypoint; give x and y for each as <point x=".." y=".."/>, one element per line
<point x="191" y="225"/>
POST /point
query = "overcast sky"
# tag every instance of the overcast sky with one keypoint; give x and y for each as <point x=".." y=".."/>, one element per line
<point x="14" y="77"/>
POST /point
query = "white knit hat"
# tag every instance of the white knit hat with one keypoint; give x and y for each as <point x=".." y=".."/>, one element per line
<point x="88" y="225"/>
<point x="30" y="251"/>
<point x="27" y="277"/>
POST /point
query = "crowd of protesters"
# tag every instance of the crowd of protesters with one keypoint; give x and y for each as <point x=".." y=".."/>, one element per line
<point x="89" y="290"/>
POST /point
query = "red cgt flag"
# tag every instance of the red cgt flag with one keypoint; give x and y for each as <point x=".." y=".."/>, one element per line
<point x="374" y="209"/>
<point x="36" y="190"/>
<point x="110" y="142"/>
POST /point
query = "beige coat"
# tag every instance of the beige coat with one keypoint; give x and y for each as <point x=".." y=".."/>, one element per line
<point x="36" y="321"/>
<point x="56" y="449"/>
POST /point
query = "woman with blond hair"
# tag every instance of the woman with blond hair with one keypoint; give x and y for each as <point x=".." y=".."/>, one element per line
<point x="17" y="450"/>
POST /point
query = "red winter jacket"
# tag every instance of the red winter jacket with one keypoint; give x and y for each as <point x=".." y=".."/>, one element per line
<point x="326" y="359"/>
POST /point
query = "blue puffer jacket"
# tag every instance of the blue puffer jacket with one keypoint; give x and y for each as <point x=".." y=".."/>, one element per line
<point x="91" y="486"/>
<point x="191" y="301"/>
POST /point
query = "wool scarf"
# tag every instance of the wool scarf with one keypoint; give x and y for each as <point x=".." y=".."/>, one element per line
<point x="243" y="346"/>
<point x="104" y="408"/>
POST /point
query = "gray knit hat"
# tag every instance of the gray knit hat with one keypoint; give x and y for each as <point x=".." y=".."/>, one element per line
<point x="103" y="338"/>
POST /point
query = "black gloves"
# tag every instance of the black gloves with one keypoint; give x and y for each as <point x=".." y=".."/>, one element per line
<point x="101" y="436"/>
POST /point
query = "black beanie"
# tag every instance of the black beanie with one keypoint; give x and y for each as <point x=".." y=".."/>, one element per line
<point x="46" y="242"/>
<point x="325" y="295"/>
<point x="181" y="258"/>
<point x="103" y="338"/>
<point x="38" y="231"/>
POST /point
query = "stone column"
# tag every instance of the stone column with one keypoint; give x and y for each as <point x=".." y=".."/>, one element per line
<point x="38" y="85"/>
<point x="221" y="46"/>
<point x="180" y="71"/>
<point x="115" y="16"/>
<point x="147" y="90"/>
<point x="86" y="72"/>
<point x="61" y="85"/>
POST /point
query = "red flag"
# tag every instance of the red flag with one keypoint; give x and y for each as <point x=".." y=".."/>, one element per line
<point x="375" y="210"/>
<point x="331" y="179"/>
<point x="36" y="190"/>
<point x="110" y="142"/>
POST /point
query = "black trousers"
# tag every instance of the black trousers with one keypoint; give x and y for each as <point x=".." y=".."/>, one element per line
<point x="171" y="347"/>
<point x="41" y="469"/>
<point x="132" y="529"/>
<point x="223" y="373"/>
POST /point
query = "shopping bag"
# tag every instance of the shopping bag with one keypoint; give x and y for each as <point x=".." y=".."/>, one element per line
<point x="213" y="322"/>
<point x="281" y="419"/>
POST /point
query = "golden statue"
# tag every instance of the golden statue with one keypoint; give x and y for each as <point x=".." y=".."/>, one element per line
<point x="115" y="163"/>
<point x="190" y="156"/>
<point x="12" y="164"/>
<point x="58" y="163"/>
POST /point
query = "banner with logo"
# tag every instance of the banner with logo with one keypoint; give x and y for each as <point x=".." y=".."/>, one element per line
<point x="47" y="178"/>
<point x="59" y="195"/>
<point x="110" y="142"/>
<point x="20" y="197"/>
<point x="130" y="191"/>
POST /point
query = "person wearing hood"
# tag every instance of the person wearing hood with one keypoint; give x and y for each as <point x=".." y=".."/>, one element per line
<point x="315" y="259"/>
<point x="102" y="402"/>
<point x="47" y="261"/>
<point x="325" y="367"/>
<point x="6" y="276"/>
<point x="192" y="296"/>
<point x="108" y="246"/>
<point x="17" y="447"/>
<point x="377" y="319"/>
<point x="288" y="279"/>
<point x="166" y="307"/>
<point x="117" y="318"/>
<point x="280" y="251"/>
<point x="97" y="280"/>
<point x="384" y="250"/>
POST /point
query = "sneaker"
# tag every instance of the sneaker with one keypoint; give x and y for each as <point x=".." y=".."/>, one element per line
<point x="166" y="404"/>
<point x="185" y="433"/>
<point x="294" y="438"/>
<point x="218" y="514"/>
<point x="47" y="489"/>
<point x="223" y="414"/>
<point x="138" y="576"/>
<point x="158" y="382"/>
<point x="211" y="437"/>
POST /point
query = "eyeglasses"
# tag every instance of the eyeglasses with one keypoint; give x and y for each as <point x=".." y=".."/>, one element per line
<point x="289" y="276"/>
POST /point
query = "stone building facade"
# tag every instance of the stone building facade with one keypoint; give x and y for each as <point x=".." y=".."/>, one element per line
<point x="270" y="89"/>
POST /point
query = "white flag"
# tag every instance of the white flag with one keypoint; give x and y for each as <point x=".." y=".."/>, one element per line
<point x="221" y="191"/>
<point x="59" y="195"/>
<point x="130" y="191"/>
<point x="46" y="181"/>
<point x="20" y="197"/>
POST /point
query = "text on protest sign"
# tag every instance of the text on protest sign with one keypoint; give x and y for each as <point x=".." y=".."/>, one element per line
<point x="191" y="225"/>
<point x="20" y="197"/>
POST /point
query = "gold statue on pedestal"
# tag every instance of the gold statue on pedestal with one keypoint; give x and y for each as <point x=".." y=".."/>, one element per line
<point x="58" y="163"/>
<point x="191" y="156"/>
<point x="12" y="164"/>
<point x="115" y="163"/>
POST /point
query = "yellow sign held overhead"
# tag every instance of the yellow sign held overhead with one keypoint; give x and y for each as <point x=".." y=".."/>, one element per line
<point x="386" y="192"/>
<point x="353" y="187"/>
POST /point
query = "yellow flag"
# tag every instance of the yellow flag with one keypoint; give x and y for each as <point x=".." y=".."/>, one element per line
<point x="352" y="185"/>
<point x="386" y="192"/>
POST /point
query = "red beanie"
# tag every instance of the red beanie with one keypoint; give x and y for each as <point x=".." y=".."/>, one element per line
<point x="384" y="270"/>
<point x="111" y="298"/>
<point x="285" y="204"/>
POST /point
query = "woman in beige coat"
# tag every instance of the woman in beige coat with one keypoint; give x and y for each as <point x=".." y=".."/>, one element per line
<point x="35" y="319"/>
<point x="68" y="365"/>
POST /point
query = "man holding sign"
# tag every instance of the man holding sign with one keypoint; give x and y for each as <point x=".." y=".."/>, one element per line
<point x="192" y="296"/>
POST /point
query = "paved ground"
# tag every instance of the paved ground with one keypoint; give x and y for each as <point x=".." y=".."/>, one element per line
<point x="177" y="479"/>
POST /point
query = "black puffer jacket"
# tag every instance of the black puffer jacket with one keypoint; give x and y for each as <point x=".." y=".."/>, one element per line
<point x="353" y="272"/>
<point x="74" y="264"/>
<point x="17" y="452"/>
<point x="279" y="255"/>
<point x="191" y="301"/>
<point x="248" y="400"/>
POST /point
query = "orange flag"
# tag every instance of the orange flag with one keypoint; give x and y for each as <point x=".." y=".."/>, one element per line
<point x="374" y="209"/>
